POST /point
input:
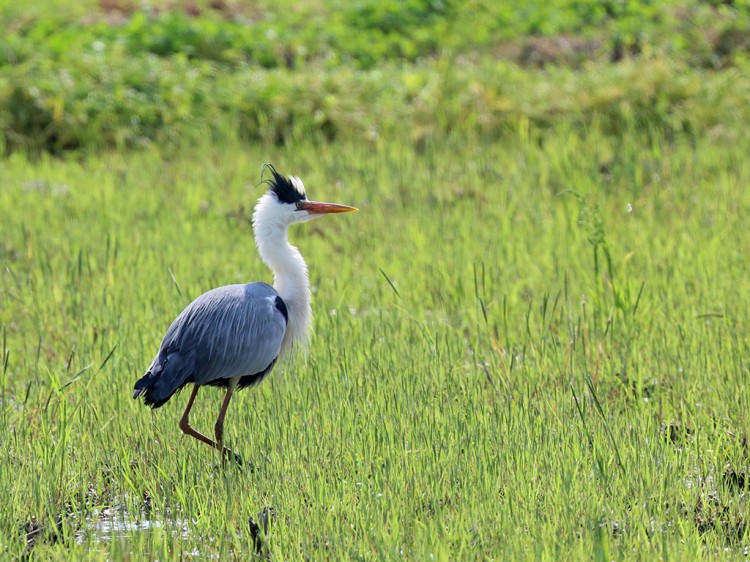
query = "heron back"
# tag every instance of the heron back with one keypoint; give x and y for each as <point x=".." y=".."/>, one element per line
<point x="230" y="332"/>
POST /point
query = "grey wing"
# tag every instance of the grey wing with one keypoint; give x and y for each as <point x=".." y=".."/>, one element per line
<point x="232" y="331"/>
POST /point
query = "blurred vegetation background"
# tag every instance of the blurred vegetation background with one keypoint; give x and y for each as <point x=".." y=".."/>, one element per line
<point x="126" y="73"/>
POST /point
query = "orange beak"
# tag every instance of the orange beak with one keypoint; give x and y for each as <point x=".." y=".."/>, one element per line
<point x="316" y="208"/>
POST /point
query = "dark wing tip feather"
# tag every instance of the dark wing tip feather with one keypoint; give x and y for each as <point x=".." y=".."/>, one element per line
<point x="146" y="387"/>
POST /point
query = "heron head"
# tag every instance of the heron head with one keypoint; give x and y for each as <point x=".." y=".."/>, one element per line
<point x="287" y="201"/>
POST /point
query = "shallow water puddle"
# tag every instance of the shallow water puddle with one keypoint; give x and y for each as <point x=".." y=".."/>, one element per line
<point x="114" y="524"/>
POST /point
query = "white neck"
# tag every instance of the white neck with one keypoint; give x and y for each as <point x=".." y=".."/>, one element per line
<point x="289" y="275"/>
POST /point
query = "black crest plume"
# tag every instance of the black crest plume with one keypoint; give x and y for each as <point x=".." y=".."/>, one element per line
<point x="285" y="189"/>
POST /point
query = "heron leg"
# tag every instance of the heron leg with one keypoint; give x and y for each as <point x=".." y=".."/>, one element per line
<point x="185" y="426"/>
<point x="219" y="427"/>
<point x="187" y="429"/>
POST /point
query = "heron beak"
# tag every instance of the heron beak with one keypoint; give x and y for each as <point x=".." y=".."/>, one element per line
<point x="316" y="208"/>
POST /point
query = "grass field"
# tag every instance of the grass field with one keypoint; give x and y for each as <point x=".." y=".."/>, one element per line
<point x="532" y="342"/>
<point x="559" y="368"/>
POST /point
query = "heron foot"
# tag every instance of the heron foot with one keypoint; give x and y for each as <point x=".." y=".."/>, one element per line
<point x="228" y="454"/>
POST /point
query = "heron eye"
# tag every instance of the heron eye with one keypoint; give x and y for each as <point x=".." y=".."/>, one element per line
<point x="299" y="204"/>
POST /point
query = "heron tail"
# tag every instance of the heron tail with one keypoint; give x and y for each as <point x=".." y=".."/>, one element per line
<point x="159" y="384"/>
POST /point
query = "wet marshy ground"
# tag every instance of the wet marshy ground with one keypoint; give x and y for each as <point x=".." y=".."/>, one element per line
<point x="115" y="522"/>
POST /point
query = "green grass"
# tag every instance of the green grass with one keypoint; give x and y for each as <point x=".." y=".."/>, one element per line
<point x="527" y="349"/>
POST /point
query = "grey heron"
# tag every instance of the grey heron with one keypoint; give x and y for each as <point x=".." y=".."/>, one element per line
<point x="232" y="336"/>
